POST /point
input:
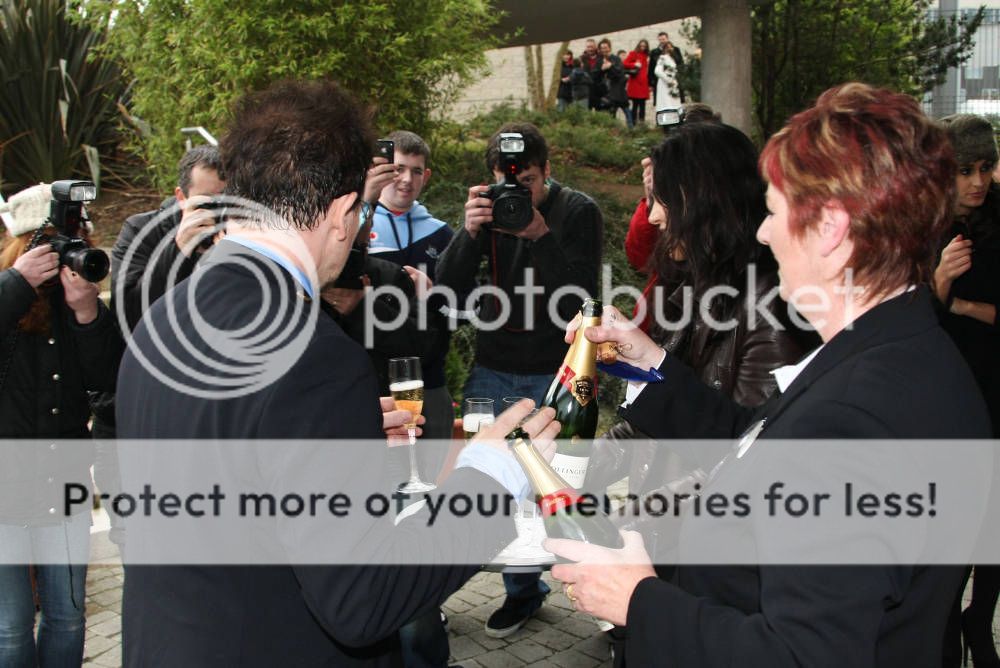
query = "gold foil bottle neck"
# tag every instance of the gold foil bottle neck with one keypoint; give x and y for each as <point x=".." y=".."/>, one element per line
<point x="544" y="481"/>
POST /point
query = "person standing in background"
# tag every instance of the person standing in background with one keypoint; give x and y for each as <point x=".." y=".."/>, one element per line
<point x="614" y="78"/>
<point x="967" y="283"/>
<point x="564" y="98"/>
<point x="637" y="65"/>
<point x="405" y="233"/>
<point x="558" y="250"/>
<point x="58" y="341"/>
<point x="593" y="65"/>
<point x="666" y="47"/>
<point x="580" y="83"/>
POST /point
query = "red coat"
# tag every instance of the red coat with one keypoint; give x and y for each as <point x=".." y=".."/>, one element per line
<point x="639" y="244"/>
<point x="638" y="84"/>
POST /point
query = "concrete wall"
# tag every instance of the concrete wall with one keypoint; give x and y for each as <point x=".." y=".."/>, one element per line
<point x="507" y="76"/>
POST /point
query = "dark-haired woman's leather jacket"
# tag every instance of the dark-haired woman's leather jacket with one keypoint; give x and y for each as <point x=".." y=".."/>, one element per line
<point x="737" y="363"/>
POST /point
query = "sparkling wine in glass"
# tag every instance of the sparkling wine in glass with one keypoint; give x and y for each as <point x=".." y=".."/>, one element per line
<point x="476" y="414"/>
<point x="406" y="384"/>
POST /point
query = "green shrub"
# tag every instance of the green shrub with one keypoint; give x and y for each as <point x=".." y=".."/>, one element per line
<point x="190" y="59"/>
<point x="58" y="102"/>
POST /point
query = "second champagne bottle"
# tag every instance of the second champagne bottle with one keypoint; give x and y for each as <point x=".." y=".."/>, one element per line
<point x="573" y="395"/>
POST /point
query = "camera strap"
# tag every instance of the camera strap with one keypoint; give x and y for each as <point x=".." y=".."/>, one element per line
<point x="395" y="232"/>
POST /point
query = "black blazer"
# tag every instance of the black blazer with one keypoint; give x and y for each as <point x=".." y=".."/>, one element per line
<point x="279" y="615"/>
<point x="894" y="375"/>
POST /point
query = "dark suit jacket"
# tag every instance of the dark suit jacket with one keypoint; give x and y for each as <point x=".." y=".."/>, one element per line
<point x="894" y="375"/>
<point x="285" y="615"/>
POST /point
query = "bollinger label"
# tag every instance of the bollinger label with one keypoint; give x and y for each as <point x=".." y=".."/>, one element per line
<point x="571" y="469"/>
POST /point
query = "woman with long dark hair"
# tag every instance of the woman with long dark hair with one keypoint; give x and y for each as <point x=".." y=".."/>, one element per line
<point x="57" y="341"/>
<point x="708" y="201"/>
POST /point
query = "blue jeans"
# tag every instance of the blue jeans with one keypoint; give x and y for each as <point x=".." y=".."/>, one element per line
<point x="60" y="592"/>
<point x="526" y="587"/>
<point x="483" y="382"/>
<point x="496" y="385"/>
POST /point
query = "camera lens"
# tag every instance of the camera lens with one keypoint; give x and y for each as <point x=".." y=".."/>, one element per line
<point x="512" y="209"/>
<point x="91" y="263"/>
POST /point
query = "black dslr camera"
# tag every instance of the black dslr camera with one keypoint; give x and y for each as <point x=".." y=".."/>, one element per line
<point x="511" y="201"/>
<point x="66" y="215"/>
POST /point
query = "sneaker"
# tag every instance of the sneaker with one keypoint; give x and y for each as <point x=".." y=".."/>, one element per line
<point x="511" y="616"/>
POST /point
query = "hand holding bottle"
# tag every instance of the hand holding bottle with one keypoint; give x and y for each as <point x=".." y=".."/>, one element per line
<point x="602" y="579"/>
<point x="631" y="343"/>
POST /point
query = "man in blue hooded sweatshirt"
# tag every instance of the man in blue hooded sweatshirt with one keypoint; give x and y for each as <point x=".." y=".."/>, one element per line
<point x="404" y="232"/>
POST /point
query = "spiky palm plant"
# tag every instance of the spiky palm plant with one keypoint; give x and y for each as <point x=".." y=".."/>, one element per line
<point x="58" y="109"/>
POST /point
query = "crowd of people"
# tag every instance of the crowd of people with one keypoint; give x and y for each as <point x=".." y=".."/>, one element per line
<point x="911" y="354"/>
<point x="604" y="81"/>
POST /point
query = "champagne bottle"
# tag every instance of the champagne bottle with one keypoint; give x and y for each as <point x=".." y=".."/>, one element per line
<point x="560" y="504"/>
<point x="573" y="395"/>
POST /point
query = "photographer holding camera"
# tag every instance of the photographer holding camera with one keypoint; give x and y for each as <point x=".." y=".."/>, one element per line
<point x="539" y="238"/>
<point x="57" y="341"/>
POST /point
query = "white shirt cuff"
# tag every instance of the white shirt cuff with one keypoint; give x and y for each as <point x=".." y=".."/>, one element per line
<point x="501" y="467"/>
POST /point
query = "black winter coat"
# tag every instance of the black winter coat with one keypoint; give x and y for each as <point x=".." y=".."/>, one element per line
<point x="893" y="375"/>
<point x="978" y="341"/>
<point x="615" y="79"/>
<point x="44" y="396"/>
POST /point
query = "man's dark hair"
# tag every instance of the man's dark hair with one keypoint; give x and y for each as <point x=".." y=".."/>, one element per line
<point x="536" y="151"/>
<point x="296" y="147"/>
<point x="205" y="156"/>
<point x="699" y="112"/>
<point x="663" y="33"/>
<point x="410" y="143"/>
<point x="605" y="40"/>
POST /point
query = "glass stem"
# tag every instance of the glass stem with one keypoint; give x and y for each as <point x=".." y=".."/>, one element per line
<point x="412" y="447"/>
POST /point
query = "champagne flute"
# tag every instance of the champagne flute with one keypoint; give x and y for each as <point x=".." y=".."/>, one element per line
<point x="476" y="414"/>
<point x="406" y="384"/>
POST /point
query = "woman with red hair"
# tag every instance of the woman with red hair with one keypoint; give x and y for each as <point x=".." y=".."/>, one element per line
<point x="858" y="185"/>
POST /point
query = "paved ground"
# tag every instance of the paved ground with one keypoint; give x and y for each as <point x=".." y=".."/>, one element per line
<point x="556" y="637"/>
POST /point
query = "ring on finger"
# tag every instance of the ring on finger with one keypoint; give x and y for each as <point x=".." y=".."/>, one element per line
<point x="569" y="593"/>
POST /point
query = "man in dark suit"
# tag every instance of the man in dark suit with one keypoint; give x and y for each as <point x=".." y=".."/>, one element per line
<point x="240" y="351"/>
<point x="886" y="370"/>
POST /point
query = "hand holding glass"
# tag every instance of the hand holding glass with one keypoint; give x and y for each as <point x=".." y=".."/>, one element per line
<point x="406" y="385"/>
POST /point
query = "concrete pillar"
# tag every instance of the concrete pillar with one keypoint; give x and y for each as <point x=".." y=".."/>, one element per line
<point x="725" y="62"/>
<point x="945" y="97"/>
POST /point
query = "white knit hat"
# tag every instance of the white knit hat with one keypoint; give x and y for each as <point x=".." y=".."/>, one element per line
<point x="28" y="208"/>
